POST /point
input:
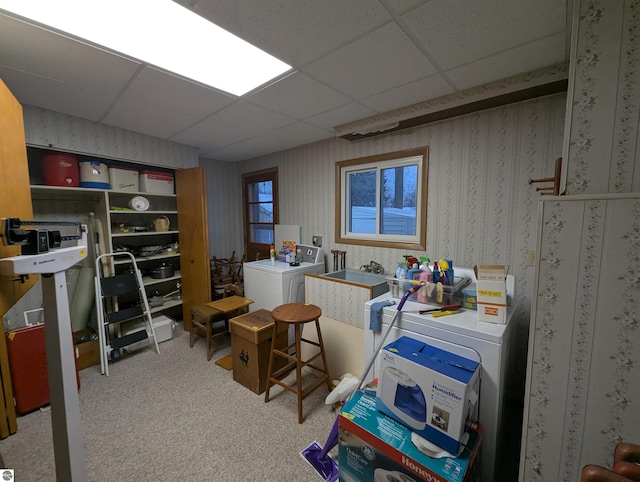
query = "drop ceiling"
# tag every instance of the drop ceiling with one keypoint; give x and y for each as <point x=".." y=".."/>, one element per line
<point x="351" y="60"/>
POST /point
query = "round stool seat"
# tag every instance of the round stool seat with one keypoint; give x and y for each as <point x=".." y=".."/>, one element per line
<point x="296" y="314"/>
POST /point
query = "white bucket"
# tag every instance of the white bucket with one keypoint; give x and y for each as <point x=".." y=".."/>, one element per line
<point x="94" y="174"/>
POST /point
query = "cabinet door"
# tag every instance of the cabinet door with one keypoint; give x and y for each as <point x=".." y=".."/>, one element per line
<point x="15" y="201"/>
<point x="191" y="191"/>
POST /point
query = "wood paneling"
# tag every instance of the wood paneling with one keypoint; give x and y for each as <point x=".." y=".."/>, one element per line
<point x="15" y="201"/>
<point x="191" y="194"/>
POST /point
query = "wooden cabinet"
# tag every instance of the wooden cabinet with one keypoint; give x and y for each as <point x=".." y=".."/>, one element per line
<point x="14" y="202"/>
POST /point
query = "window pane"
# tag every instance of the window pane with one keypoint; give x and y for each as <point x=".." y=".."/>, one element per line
<point x="261" y="213"/>
<point x="399" y="197"/>
<point x="261" y="192"/>
<point x="362" y="202"/>
<point x="261" y="234"/>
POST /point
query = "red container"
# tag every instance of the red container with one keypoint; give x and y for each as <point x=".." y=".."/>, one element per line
<point x="28" y="367"/>
<point x="59" y="169"/>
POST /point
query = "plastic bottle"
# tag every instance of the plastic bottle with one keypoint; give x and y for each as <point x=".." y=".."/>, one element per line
<point x="401" y="270"/>
<point x="414" y="272"/>
<point x="422" y="295"/>
<point x="272" y="253"/>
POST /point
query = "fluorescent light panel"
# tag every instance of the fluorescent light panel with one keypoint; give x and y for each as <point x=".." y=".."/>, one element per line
<point x="161" y="33"/>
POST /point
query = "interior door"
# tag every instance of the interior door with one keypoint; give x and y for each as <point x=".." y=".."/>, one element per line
<point x="260" y="206"/>
<point x="195" y="264"/>
<point x="15" y="201"/>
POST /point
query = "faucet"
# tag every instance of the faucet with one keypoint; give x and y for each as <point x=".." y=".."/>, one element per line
<point x="373" y="267"/>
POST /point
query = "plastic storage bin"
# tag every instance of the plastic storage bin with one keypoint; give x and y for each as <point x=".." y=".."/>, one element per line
<point x="156" y="182"/>
<point x="430" y="292"/>
<point x="121" y="179"/>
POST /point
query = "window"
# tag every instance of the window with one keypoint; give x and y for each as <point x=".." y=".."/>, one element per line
<point x="261" y="211"/>
<point x="382" y="200"/>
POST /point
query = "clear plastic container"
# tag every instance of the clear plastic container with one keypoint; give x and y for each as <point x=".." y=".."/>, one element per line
<point x="430" y="293"/>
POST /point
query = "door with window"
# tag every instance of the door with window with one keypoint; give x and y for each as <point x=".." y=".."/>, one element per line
<point x="260" y="202"/>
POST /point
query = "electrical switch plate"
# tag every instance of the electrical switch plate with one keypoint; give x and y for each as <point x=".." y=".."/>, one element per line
<point x="531" y="257"/>
<point x="316" y="241"/>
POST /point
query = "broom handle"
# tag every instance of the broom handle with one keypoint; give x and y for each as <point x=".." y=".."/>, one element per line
<point x="372" y="359"/>
<point x="333" y="436"/>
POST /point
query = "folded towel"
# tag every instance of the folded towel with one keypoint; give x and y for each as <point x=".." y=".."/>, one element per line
<point x="375" y="315"/>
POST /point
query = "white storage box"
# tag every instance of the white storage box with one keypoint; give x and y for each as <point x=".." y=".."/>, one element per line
<point x="491" y="284"/>
<point x="124" y="179"/>
<point x="156" y="182"/>
<point x="430" y="390"/>
<point x="162" y="325"/>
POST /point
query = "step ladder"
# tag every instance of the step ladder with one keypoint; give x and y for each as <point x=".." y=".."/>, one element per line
<point x="126" y="290"/>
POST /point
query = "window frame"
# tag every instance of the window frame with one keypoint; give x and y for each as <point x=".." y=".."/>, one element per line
<point x="417" y="242"/>
<point x="258" y="250"/>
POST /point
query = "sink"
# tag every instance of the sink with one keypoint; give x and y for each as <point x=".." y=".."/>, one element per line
<point x="377" y="282"/>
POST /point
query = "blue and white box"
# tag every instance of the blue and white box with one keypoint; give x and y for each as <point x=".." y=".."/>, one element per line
<point x="428" y="389"/>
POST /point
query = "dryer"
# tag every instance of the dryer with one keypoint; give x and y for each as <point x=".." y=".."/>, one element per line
<point x="270" y="284"/>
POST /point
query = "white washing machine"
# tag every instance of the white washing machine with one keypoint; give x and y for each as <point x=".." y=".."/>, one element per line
<point x="271" y="284"/>
<point x="454" y="333"/>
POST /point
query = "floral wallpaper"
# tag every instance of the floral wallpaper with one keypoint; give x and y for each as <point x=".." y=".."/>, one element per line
<point x="605" y="108"/>
<point x="583" y="375"/>
<point x="584" y="366"/>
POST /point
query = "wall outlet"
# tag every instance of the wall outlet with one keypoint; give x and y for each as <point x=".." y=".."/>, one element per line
<point x="316" y="241"/>
<point x="531" y="257"/>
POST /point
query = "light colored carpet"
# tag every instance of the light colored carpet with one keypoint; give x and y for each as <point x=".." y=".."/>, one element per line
<point x="176" y="416"/>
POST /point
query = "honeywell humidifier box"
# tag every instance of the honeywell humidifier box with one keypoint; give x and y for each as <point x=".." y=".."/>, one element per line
<point x="375" y="447"/>
<point x="491" y="293"/>
<point x="430" y="390"/>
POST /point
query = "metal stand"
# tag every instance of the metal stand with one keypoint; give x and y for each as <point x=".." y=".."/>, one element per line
<point x="68" y="445"/>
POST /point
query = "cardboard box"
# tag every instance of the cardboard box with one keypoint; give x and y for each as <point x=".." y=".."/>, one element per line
<point x="251" y="336"/>
<point x="156" y="182"/>
<point x="374" y="447"/>
<point x="127" y="180"/>
<point x="87" y="352"/>
<point x="430" y="390"/>
<point x="491" y="281"/>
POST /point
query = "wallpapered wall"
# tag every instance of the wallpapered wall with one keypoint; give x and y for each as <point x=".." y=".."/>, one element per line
<point x="481" y="208"/>
<point x="72" y="134"/>
<point x="582" y="384"/>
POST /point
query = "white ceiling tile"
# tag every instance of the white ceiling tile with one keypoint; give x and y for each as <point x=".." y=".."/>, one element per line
<point x="54" y="95"/>
<point x="295" y="32"/>
<point x="511" y="62"/>
<point x="237" y="122"/>
<point x="147" y="118"/>
<point x="381" y="60"/>
<point x="298" y="96"/>
<point x="187" y="98"/>
<point x="350" y="60"/>
<point x="328" y="120"/>
<point x="458" y="32"/>
<point x="411" y="93"/>
<point x="50" y="55"/>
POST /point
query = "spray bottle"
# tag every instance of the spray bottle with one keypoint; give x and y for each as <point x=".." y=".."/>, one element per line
<point x="426" y="275"/>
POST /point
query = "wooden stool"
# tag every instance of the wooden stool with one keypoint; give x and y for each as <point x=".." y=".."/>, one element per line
<point x="202" y="319"/>
<point x="296" y="314"/>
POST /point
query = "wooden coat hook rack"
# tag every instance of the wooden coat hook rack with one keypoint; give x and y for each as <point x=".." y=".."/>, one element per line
<point x="555" y="188"/>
